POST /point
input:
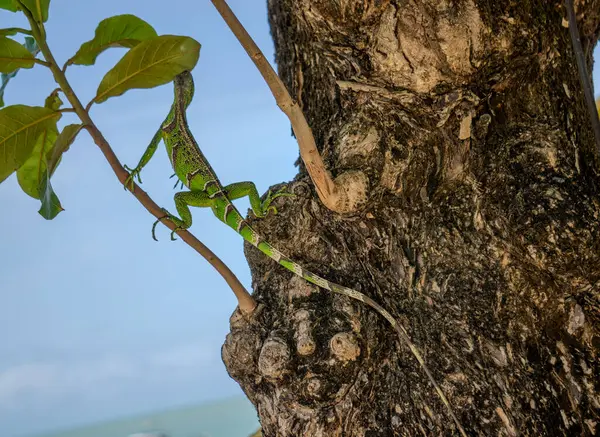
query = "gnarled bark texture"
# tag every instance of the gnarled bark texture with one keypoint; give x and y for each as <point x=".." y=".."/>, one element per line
<point x="481" y="232"/>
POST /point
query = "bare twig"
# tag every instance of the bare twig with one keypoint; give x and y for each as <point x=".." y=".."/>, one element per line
<point x="326" y="188"/>
<point x="245" y="301"/>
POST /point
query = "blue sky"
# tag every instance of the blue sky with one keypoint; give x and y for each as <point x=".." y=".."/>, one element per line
<point x="96" y="319"/>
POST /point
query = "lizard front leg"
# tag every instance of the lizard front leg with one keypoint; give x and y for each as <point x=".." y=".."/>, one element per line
<point x="134" y="173"/>
<point x="242" y="189"/>
<point x="183" y="200"/>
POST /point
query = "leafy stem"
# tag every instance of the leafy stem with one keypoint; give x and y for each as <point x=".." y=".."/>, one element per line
<point x="18" y="30"/>
<point x="245" y="301"/>
<point x="40" y="62"/>
<point x="89" y="105"/>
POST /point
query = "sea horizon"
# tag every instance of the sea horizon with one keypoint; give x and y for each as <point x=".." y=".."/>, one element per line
<point x="232" y="416"/>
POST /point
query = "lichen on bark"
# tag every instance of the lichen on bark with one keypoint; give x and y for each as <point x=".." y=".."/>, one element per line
<point x="481" y="233"/>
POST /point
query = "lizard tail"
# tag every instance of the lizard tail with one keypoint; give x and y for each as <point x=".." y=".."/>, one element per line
<point x="265" y="247"/>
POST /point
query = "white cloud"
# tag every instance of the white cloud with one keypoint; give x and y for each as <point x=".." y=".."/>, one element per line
<point x="25" y="377"/>
<point x="184" y="356"/>
<point x="50" y="381"/>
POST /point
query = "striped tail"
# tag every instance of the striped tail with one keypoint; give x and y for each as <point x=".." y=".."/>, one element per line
<point x="240" y="225"/>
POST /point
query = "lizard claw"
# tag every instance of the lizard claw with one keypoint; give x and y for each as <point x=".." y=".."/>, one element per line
<point x="168" y="215"/>
<point x="134" y="173"/>
<point x="177" y="182"/>
<point x="177" y="228"/>
<point x="270" y="197"/>
<point x="154" y="226"/>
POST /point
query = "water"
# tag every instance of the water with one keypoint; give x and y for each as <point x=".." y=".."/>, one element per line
<point x="233" y="417"/>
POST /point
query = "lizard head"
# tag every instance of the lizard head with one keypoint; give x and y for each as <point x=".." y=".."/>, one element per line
<point x="184" y="87"/>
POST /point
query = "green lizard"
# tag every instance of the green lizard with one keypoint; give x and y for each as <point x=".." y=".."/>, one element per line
<point x="195" y="172"/>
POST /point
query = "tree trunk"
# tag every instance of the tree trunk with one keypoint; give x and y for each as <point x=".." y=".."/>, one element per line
<point x="481" y="233"/>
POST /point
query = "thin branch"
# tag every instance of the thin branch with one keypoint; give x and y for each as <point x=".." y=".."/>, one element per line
<point x="245" y="301"/>
<point x="67" y="63"/>
<point x="326" y="188"/>
<point x="40" y="62"/>
<point x="67" y="110"/>
<point x="19" y="30"/>
<point x="584" y="76"/>
<point x="89" y="105"/>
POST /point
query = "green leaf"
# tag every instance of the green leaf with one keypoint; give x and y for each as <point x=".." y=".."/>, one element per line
<point x="151" y="63"/>
<point x="63" y="142"/>
<point x="9" y="5"/>
<point x="29" y="175"/>
<point x="53" y="101"/>
<point x="13" y="56"/>
<point x="51" y="206"/>
<point x="20" y="128"/>
<point x="33" y="48"/>
<point x="38" y="8"/>
<point x="34" y="175"/>
<point x="4" y="79"/>
<point x="118" y="31"/>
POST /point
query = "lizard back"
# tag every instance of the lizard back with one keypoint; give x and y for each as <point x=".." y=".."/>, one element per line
<point x="189" y="163"/>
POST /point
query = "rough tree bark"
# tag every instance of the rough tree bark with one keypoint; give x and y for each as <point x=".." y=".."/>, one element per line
<point x="481" y="232"/>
